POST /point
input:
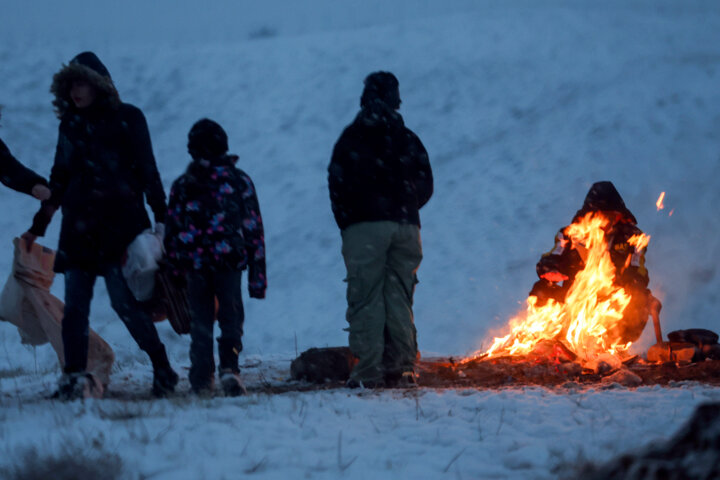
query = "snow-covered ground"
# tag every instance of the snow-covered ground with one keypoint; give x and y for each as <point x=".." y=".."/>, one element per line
<point x="425" y="434"/>
<point x="522" y="105"/>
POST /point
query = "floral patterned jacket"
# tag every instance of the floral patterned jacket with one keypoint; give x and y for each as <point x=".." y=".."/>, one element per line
<point x="214" y="222"/>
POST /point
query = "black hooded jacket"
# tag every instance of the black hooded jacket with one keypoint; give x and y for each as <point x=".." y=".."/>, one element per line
<point x="104" y="170"/>
<point x="379" y="170"/>
<point x="16" y="176"/>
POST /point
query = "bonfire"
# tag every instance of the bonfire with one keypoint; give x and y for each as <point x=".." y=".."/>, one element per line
<point x="592" y="321"/>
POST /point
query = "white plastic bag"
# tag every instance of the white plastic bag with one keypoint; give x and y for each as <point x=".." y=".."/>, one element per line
<point x="141" y="264"/>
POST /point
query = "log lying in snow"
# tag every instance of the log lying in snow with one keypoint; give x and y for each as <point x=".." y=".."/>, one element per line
<point x="320" y="365"/>
<point x="691" y="345"/>
<point x="680" y="352"/>
<point x="697" y="336"/>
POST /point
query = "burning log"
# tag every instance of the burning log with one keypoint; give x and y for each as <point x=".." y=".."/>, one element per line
<point x="551" y="351"/>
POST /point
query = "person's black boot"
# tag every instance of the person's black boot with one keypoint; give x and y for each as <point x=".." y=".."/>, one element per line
<point x="164" y="377"/>
<point x="164" y="381"/>
<point x="232" y="384"/>
<point x="228" y="351"/>
<point x="78" y="385"/>
<point x="71" y="386"/>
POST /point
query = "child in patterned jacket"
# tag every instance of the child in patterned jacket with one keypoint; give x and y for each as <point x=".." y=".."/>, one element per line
<point x="215" y="231"/>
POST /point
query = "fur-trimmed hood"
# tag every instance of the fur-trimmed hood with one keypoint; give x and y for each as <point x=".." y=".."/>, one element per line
<point x="86" y="66"/>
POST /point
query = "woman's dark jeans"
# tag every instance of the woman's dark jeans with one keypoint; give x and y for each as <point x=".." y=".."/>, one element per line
<point x="75" y="325"/>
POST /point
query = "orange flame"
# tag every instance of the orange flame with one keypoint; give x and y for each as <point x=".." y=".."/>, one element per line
<point x="640" y="242"/>
<point x="659" y="204"/>
<point x="593" y="307"/>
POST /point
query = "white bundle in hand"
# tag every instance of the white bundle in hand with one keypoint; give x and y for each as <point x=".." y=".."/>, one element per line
<point x="141" y="264"/>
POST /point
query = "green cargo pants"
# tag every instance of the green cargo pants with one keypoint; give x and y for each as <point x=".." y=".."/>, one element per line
<point x="382" y="259"/>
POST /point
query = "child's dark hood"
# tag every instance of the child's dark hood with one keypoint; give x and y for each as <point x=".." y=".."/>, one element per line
<point x="208" y="146"/>
<point x="603" y="196"/>
<point x="202" y="168"/>
<point x="207" y="140"/>
<point x="86" y="66"/>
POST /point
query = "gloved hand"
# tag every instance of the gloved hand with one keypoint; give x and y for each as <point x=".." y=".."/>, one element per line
<point x="258" y="293"/>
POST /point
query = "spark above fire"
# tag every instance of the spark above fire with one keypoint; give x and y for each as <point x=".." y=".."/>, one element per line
<point x="659" y="204"/>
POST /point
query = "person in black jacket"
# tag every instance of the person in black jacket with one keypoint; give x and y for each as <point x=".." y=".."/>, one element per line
<point x="104" y="170"/>
<point x="214" y="232"/>
<point x="379" y="178"/>
<point x="15" y="175"/>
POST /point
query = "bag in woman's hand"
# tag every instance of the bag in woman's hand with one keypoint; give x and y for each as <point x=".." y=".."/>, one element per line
<point x="141" y="264"/>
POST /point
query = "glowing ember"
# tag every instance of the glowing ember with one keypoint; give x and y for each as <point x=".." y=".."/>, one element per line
<point x="586" y="322"/>
<point x="659" y="203"/>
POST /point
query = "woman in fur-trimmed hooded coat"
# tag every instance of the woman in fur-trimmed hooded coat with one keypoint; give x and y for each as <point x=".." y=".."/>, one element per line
<point x="104" y="170"/>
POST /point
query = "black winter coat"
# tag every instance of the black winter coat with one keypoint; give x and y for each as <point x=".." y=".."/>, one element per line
<point x="214" y="222"/>
<point x="16" y="176"/>
<point x="379" y="170"/>
<point x="104" y="170"/>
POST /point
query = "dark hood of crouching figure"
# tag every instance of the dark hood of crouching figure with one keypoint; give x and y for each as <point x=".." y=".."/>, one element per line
<point x="558" y="268"/>
<point x="104" y="169"/>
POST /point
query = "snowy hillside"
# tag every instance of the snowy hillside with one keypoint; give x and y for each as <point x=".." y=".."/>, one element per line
<point x="521" y="109"/>
<point x="522" y="105"/>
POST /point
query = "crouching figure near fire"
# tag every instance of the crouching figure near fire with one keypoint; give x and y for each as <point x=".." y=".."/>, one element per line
<point x="596" y="272"/>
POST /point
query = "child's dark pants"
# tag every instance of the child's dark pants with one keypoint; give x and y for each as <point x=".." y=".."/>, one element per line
<point x="203" y="289"/>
